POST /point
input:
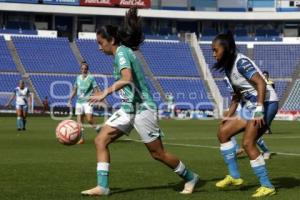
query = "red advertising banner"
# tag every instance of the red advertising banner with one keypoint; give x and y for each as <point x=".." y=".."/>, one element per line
<point x="109" y="3"/>
<point x="138" y="3"/>
<point x="117" y="3"/>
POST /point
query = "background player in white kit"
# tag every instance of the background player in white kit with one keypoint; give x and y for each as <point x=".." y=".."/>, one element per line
<point x="22" y="95"/>
<point x="85" y="85"/>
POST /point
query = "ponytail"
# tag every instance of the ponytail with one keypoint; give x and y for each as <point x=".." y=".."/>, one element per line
<point x="129" y="34"/>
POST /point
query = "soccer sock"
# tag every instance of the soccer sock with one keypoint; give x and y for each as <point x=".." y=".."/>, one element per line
<point x="228" y="151"/>
<point x="184" y="172"/>
<point x="102" y="174"/>
<point x="261" y="144"/>
<point x="24" y="123"/>
<point x="237" y="146"/>
<point x="259" y="168"/>
<point x="82" y="133"/>
<point x="19" y="122"/>
<point x="98" y="128"/>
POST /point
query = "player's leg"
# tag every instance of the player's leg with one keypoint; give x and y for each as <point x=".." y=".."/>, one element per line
<point x="263" y="147"/>
<point x="19" y="117"/>
<point x="271" y="109"/>
<point x="115" y="127"/>
<point x="24" y="116"/>
<point x="227" y="130"/>
<point x="238" y="148"/>
<point x="88" y="109"/>
<point x="257" y="162"/>
<point x="146" y="125"/>
<point x="79" y="112"/>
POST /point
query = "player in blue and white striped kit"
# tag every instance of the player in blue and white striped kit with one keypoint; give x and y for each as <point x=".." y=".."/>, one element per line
<point x="260" y="142"/>
<point x="22" y="95"/>
<point x="259" y="107"/>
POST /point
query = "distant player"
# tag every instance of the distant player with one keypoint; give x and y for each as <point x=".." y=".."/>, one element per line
<point x="22" y="95"/>
<point x="260" y="142"/>
<point x="138" y="110"/>
<point x="259" y="107"/>
<point x="171" y="105"/>
<point x="267" y="76"/>
<point x="85" y="85"/>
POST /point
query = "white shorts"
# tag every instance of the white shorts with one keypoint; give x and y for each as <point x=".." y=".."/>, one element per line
<point x="145" y="123"/>
<point x="83" y="108"/>
<point x="24" y="108"/>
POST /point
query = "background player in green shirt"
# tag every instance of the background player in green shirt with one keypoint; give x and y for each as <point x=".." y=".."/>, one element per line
<point x="85" y="85"/>
<point x="138" y="109"/>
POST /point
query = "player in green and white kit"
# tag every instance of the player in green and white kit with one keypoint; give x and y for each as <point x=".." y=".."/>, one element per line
<point x="138" y="109"/>
<point x="85" y="85"/>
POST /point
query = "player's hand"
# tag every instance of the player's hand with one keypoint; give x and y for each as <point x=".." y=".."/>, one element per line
<point x="97" y="97"/>
<point x="259" y="116"/>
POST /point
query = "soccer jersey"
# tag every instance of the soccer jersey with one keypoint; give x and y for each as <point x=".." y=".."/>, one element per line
<point x="84" y="87"/>
<point x="239" y="77"/>
<point x="138" y="93"/>
<point x="21" y="95"/>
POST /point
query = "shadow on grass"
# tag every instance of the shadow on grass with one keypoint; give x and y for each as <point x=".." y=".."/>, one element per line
<point x="286" y="182"/>
<point x="174" y="186"/>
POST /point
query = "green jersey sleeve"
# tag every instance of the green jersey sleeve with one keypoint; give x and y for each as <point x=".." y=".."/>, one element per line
<point x="123" y="60"/>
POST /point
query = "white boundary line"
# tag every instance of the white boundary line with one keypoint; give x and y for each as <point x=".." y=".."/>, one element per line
<point x="209" y="147"/>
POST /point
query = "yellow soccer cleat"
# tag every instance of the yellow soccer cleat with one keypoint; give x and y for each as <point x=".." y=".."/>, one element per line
<point x="264" y="191"/>
<point x="96" y="191"/>
<point x="229" y="181"/>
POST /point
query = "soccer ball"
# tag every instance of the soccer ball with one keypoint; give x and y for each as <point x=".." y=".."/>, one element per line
<point x="68" y="132"/>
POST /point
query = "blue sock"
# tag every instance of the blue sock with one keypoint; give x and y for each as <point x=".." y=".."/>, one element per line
<point x="261" y="144"/>
<point x="102" y="174"/>
<point x="228" y="151"/>
<point x="237" y="146"/>
<point x="19" y="123"/>
<point x="184" y="172"/>
<point x="259" y="168"/>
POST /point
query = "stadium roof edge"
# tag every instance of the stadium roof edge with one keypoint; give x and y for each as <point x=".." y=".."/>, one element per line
<point x="149" y="13"/>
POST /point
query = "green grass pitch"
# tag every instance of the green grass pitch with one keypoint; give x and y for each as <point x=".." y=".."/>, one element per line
<point x="34" y="166"/>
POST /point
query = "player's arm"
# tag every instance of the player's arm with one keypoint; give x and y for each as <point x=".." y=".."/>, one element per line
<point x="29" y="98"/>
<point x="74" y="92"/>
<point x="125" y="80"/>
<point x="10" y="100"/>
<point x="260" y="86"/>
<point x="233" y="105"/>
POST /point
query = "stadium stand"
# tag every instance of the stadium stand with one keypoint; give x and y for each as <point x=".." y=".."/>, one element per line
<point x="97" y="60"/>
<point x="190" y="91"/>
<point x="169" y="59"/>
<point x="6" y="61"/>
<point x="52" y="55"/>
<point x="9" y="81"/>
<point x="293" y="101"/>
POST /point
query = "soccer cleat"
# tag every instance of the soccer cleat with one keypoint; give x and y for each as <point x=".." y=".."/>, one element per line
<point x="81" y="141"/>
<point x="267" y="155"/>
<point x="240" y="151"/>
<point x="264" y="191"/>
<point x="190" y="185"/>
<point x="96" y="191"/>
<point x="229" y="181"/>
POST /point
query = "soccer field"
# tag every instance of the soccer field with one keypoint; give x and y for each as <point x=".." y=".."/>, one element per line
<point x="35" y="166"/>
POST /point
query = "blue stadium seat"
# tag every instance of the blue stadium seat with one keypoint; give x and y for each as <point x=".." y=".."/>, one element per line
<point x="52" y="55"/>
<point x="169" y="59"/>
<point x="6" y="61"/>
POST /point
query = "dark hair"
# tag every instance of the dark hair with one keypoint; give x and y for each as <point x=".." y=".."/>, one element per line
<point x="227" y="42"/>
<point x="84" y="63"/>
<point x="130" y="33"/>
<point x="266" y="72"/>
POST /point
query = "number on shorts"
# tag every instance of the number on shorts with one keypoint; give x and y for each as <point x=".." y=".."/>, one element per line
<point x="117" y="115"/>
